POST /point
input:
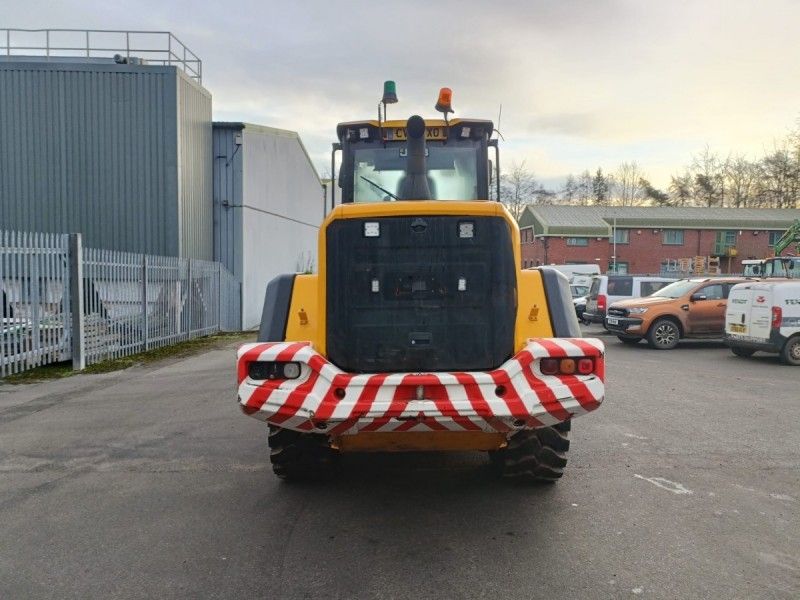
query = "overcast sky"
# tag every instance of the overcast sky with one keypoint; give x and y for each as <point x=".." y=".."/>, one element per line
<point x="582" y="83"/>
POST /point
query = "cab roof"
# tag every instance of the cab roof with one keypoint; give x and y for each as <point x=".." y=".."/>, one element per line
<point x="401" y="124"/>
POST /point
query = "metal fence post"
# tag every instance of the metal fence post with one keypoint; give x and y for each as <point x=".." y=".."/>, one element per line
<point x="189" y="303"/>
<point x="76" y="300"/>
<point x="219" y="296"/>
<point x="145" y="324"/>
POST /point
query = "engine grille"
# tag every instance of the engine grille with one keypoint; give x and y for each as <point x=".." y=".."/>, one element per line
<point x="614" y="311"/>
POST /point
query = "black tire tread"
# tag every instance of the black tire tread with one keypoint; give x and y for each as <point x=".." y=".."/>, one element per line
<point x="786" y="356"/>
<point x="299" y="456"/>
<point x="534" y="455"/>
<point x="651" y="340"/>
<point x="743" y="352"/>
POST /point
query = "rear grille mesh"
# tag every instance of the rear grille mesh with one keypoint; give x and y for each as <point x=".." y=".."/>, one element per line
<point x="421" y="295"/>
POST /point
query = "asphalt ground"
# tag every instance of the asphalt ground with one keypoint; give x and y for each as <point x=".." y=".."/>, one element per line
<point x="150" y="483"/>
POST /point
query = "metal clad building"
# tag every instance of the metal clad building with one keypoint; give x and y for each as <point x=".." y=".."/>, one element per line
<point x="268" y="206"/>
<point x="119" y="152"/>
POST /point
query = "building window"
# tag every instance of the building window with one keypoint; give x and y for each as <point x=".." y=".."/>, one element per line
<point x="622" y="236"/>
<point x="774" y="236"/>
<point x="577" y="241"/>
<point x="673" y="237"/>
<point x="620" y="268"/>
<point x="725" y="240"/>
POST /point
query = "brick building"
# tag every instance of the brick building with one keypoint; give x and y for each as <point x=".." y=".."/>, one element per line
<point x="649" y="239"/>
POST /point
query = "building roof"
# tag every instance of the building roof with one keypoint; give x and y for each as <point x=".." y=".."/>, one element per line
<point x="597" y="221"/>
<point x="240" y="125"/>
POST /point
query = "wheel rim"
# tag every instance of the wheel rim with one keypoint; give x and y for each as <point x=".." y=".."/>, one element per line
<point x="794" y="351"/>
<point x="666" y="335"/>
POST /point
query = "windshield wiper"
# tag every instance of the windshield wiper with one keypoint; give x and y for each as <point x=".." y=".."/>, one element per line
<point x="369" y="181"/>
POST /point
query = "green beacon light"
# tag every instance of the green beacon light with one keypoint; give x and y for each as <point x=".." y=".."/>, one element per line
<point x="389" y="92"/>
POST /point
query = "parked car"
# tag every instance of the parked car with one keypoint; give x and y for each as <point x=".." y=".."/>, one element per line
<point x="607" y="289"/>
<point x="764" y="316"/>
<point x="687" y="308"/>
<point x="579" y="293"/>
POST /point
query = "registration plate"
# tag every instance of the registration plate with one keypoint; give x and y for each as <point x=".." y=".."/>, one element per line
<point x="738" y="328"/>
<point x="612" y="320"/>
<point x="431" y="133"/>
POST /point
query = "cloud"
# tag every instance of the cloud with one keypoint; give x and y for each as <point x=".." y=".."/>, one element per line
<point x="582" y="83"/>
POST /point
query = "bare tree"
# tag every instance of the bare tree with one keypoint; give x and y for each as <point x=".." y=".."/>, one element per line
<point x="583" y="192"/>
<point x="742" y="180"/>
<point x="709" y="178"/>
<point x="680" y="189"/>
<point x="781" y="177"/>
<point x="517" y="189"/>
<point x="627" y="184"/>
<point x="569" y="194"/>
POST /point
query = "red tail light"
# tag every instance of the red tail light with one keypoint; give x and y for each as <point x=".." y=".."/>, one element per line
<point x="549" y="366"/>
<point x="567" y="366"/>
<point x="777" y="317"/>
<point x="602" y="302"/>
<point x="585" y="366"/>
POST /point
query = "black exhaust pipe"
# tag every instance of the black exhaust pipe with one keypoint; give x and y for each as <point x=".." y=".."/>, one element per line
<point x="414" y="185"/>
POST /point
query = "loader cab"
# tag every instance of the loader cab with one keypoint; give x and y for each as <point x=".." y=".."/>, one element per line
<point x="375" y="158"/>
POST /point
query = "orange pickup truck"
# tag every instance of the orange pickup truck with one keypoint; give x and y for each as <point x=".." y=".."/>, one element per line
<point x="687" y="308"/>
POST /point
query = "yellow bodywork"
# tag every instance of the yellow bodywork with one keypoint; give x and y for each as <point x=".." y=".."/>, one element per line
<point x="308" y="309"/>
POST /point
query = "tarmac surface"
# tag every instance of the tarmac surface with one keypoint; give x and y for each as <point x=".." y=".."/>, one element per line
<point x="150" y="483"/>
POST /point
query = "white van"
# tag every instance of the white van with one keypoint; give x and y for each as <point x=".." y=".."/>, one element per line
<point x="764" y="316"/>
<point x="578" y="274"/>
<point x="608" y="289"/>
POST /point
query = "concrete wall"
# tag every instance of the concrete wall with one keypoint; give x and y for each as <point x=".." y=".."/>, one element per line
<point x="268" y="206"/>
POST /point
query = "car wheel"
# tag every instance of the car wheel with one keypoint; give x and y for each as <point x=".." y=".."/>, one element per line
<point x="790" y="354"/>
<point x="630" y="341"/>
<point x="663" y="335"/>
<point x="743" y="352"/>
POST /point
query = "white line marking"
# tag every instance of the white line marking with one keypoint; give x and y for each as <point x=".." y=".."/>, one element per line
<point x="665" y="484"/>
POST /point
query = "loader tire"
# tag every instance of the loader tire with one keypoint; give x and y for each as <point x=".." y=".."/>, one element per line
<point x="299" y="456"/>
<point x="534" y="455"/>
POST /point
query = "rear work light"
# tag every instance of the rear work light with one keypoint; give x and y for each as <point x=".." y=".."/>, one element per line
<point x="777" y="317"/>
<point x="602" y="302"/>
<point x="567" y="366"/>
<point x="267" y="370"/>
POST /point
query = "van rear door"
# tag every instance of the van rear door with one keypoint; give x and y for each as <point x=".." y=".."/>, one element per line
<point x="591" y="300"/>
<point x="761" y="311"/>
<point x="737" y="314"/>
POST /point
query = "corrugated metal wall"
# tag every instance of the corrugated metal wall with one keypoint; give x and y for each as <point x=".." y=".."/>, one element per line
<point x="93" y="148"/>
<point x="194" y="163"/>
<point x="227" y="157"/>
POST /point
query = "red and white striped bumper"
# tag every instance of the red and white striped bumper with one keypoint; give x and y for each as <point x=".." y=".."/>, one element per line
<point x="325" y="399"/>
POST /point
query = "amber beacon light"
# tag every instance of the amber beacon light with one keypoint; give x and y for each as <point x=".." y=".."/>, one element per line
<point x="445" y="102"/>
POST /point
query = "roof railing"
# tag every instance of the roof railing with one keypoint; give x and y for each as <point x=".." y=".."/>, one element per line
<point x="154" y="47"/>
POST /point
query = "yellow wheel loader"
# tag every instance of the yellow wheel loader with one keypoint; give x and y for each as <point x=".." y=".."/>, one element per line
<point x="421" y="331"/>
